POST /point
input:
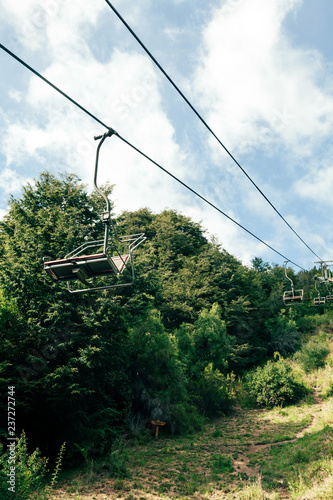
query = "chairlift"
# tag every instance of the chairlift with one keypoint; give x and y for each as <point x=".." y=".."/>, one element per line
<point x="329" y="296"/>
<point x="318" y="300"/>
<point x="291" y="296"/>
<point x="111" y="257"/>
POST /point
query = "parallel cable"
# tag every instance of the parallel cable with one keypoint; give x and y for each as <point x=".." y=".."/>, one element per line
<point x="204" y="122"/>
<point x="35" y="72"/>
<point x="205" y="200"/>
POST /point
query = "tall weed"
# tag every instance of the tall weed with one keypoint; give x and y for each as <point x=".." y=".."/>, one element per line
<point x="313" y="354"/>
<point x="30" y="471"/>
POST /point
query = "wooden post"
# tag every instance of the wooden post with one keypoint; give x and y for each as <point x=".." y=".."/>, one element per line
<point x="157" y="424"/>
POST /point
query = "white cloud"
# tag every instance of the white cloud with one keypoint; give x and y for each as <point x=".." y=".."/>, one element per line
<point x="15" y="95"/>
<point x="317" y="185"/>
<point x="11" y="182"/>
<point x="123" y="92"/>
<point x="40" y="24"/>
<point x="2" y="213"/>
<point x="258" y="89"/>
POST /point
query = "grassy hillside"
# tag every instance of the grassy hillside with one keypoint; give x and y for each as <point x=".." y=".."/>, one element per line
<point x="253" y="453"/>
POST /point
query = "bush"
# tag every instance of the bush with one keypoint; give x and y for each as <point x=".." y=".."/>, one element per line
<point x="273" y="385"/>
<point x="185" y="419"/>
<point x="214" y="392"/>
<point x="313" y="354"/>
<point x="222" y="463"/>
<point x="284" y="335"/>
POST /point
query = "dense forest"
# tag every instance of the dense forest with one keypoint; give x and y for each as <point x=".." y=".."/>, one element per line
<point x="90" y="367"/>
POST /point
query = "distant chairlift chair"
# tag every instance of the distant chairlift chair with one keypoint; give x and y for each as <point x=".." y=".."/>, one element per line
<point x="291" y="296"/>
<point x="329" y="296"/>
<point x="319" y="300"/>
<point x="88" y="265"/>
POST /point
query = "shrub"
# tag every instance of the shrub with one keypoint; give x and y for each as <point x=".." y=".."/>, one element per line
<point x="58" y="465"/>
<point x="114" y="464"/>
<point x="284" y="335"/>
<point x="313" y="354"/>
<point x="214" y="392"/>
<point x="185" y="419"/>
<point x="273" y="385"/>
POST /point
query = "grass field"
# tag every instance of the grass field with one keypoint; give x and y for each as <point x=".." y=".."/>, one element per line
<point x="251" y="454"/>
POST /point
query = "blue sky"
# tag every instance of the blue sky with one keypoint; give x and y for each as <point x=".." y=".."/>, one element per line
<point x="259" y="72"/>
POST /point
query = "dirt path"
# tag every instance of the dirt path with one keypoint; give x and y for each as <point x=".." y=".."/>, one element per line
<point x="243" y="462"/>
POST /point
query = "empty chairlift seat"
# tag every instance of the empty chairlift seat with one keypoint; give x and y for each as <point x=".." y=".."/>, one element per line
<point x="85" y="267"/>
<point x="293" y="296"/>
<point x="319" y="301"/>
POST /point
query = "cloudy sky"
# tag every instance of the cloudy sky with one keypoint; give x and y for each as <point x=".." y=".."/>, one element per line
<point x="259" y="72"/>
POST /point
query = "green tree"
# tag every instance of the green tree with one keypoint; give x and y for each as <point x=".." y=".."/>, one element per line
<point x="204" y="342"/>
<point x="66" y="354"/>
<point x="158" y="380"/>
<point x="284" y="335"/>
<point x="204" y="350"/>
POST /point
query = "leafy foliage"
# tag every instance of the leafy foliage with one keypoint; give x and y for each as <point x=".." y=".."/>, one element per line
<point x="284" y="335"/>
<point x="214" y="392"/>
<point x="158" y="383"/>
<point x="27" y="474"/>
<point x="313" y="354"/>
<point x="91" y="367"/>
<point x="274" y="384"/>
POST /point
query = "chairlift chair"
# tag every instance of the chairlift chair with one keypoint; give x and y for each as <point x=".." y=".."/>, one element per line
<point x="329" y="296"/>
<point x="88" y="265"/>
<point x="318" y="300"/>
<point x="291" y="296"/>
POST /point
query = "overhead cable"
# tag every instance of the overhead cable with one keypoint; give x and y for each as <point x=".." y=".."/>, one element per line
<point x="204" y="122"/>
<point x="51" y="84"/>
<point x="35" y="72"/>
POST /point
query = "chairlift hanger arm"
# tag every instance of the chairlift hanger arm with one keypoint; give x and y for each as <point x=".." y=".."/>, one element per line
<point x="102" y="138"/>
<point x="285" y="272"/>
<point x="106" y="215"/>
